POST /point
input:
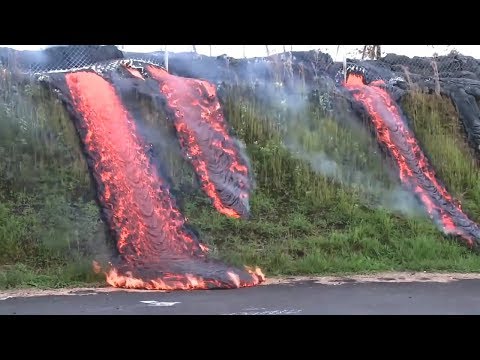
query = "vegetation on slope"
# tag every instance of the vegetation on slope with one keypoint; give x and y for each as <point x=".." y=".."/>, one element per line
<point x="49" y="221"/>
<point x="441" y="134"/>
<point x="308" y="223"/>
<point x="322" y="202"/>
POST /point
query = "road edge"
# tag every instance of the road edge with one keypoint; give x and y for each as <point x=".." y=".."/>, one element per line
<point x="332" y="280"/>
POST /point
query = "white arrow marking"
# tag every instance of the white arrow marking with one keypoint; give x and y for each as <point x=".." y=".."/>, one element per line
<point x="159" y="303"/>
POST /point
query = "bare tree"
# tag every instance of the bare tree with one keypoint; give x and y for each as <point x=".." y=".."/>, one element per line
<point x="373" y="52"/>
<point x="268" y="51"/>
<point x="194" y="48"/>
<point x="210" y="50"/>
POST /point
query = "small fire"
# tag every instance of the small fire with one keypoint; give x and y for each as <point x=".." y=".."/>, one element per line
<point x="135" y="73"/>
<point x="97" y="269"/>
<point x="177" y="282"/>
<point x="208" y="146"/>
<point x="157" y="251"/>
<point x="414" y="169"/>
<point x="257" y="272"/>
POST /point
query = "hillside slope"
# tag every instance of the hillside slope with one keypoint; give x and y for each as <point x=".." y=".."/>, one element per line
<point x="326" y="199"/>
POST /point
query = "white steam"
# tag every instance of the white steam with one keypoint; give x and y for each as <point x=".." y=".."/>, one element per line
<point x="393" y="197"/>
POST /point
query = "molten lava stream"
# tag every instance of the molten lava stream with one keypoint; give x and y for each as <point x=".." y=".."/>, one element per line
<point x="156" y="249"/>
<point x="204" y="137"/>
<point x="414" y="170"/>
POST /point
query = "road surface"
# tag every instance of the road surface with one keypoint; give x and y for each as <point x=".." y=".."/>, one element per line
<point x="301" y="297"/>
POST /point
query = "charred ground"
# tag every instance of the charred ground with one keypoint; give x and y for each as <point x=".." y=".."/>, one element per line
<point x="305" y="217"/>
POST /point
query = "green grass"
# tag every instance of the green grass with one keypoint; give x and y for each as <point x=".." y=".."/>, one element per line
<point x="321" y="204"/>
<point x="76" y="273"/>
<point x="49" y="220"/>
<point x="438" y="129"/>
<point x="306" y="223"/>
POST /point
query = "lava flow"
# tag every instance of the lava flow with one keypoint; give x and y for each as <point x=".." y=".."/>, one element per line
<point x="414" y="169"/>
<point x="204" y="137"/>
<point x="156" y="249"/>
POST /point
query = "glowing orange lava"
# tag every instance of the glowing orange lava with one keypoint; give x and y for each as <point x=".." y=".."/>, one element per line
<point x="157" y="250"/>
<point x="203" y="134"/>
<point x="414" y="169"/>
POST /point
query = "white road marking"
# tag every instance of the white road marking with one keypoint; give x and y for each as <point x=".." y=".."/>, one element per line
<point x="159" y="303"/>
<point x="263" y="311"/>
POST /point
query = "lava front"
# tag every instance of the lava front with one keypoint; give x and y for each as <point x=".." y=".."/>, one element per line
<point x="204" y="136"/>
<point x="156" y="248"/>
<point x="414" y="169"/>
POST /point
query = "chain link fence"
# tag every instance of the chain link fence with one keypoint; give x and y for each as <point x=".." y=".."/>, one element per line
<point x="68" y="58"/>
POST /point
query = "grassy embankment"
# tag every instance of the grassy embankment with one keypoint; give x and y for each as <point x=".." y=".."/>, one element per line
<point x="303" y="222"/>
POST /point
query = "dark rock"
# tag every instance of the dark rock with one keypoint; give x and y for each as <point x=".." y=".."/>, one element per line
<point x="58" y="57"/>
<point x="457" y="75"/>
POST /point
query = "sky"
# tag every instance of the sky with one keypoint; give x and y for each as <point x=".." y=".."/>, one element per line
<point x="336" y="51"/>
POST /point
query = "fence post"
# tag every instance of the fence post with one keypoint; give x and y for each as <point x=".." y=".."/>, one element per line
<point x="166" y="58"/>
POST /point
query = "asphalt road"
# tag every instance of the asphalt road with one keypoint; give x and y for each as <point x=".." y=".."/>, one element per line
<point x="299" y="298"/>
